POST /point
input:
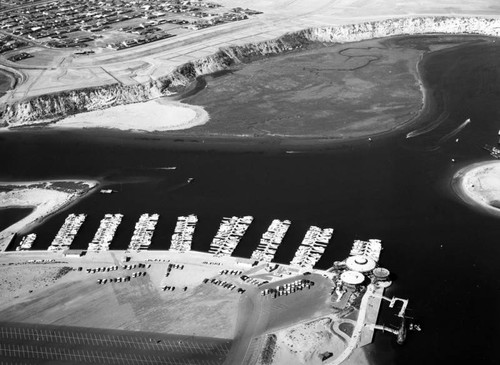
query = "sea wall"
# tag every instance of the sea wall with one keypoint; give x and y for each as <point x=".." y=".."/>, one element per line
<point x="53" y="106"/>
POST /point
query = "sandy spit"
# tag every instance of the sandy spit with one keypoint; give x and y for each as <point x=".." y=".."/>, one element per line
<point x="479" y="185"/>
<point x="152" y="116"/>
<point x="44" y="201"/>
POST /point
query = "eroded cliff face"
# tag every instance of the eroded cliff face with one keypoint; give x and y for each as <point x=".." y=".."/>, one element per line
<point x="406" y="26"/>
<point x="53" y="106"/>
<point x="77" y="101"/>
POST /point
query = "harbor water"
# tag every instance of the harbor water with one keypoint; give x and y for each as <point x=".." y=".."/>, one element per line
<point x="442" y="252"/>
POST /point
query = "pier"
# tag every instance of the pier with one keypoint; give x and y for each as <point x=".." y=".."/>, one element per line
<point x="370" y="248"/>
<point x="392" y="301"/>
<point x="26" y="242"/>
<point x="271" y="240"/>
<point x="183" y="233"/>
<point x="67" y="232"/>
<point x="312" y="247"/>
<point x="143" y="233"/>
<point x="401" y="332"/>
<point x="105" y="232"/>
<point x="229" y="234"/>
<point x="383" y="328"/>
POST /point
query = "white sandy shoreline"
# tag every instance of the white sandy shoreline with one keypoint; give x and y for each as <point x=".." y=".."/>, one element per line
<point x="151" y="116"/>
<point x="157" y="115"/>
<point x="45" y="201"/>
<point x="479" y="185"/>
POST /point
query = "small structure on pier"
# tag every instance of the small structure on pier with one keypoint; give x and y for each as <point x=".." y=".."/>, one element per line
<point x="352" y="278"/>
<point x="360" y="263"/>
<point x="381" y="276"/>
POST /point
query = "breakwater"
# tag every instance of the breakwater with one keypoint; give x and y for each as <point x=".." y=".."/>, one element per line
<point x="54" y="106"/>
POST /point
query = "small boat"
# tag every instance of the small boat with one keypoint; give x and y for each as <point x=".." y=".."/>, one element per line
<point x="107" y="191"/>
<point x="167" y="168"/>
<point x="190" y="179"/>
<point x="495" y="152"/>
<point x="26" y="242"/>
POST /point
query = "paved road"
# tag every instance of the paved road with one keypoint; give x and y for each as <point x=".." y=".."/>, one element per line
<point x="356" y="333"/>
<point x="259" y="315"/>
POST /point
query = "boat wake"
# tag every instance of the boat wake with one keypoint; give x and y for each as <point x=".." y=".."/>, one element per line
<point x="454" y="132"/>
<point x="442" y="132"/>
<point x="430" y="127"/>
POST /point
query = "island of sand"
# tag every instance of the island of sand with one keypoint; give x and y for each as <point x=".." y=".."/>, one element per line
<point x="45" y="197"/>
<point x="479" y="185"/>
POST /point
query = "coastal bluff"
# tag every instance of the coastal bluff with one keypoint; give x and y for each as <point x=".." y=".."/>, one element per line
<point x="50" y="107"/>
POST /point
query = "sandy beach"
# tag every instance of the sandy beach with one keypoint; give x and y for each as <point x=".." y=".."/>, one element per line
<point x="152" y="116"/>
<point x="479" y="185"/>
<point x="45" y="197"/>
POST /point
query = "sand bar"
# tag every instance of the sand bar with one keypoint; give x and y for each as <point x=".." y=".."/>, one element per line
<point x="479" y="185"/>
<point x="45" y="197"/>
<point x="151" y="116"/>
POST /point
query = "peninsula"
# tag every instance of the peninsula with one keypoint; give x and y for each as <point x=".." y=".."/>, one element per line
<point x="45" y="197"/>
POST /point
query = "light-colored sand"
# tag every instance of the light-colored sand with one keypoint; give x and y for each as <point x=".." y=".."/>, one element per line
<point x="304" y="342"/>
<point x="479" y="185"/>
<point x="154" y="115"/>
<point x="42" y="197"/>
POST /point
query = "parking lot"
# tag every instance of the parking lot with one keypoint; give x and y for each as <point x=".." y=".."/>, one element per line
<point x="29" y="344"/>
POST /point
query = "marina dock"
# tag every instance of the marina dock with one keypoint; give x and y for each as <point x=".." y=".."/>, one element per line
<point x="370" y="248"/>
<point x="143" y="233"/>
<point x="271" y="240"/>
<point x="105" y="232"/>
<point x="312" y="247"/>
<point x="67" y="232"/>
<point x="229" y="235"/>
<point x="26" y="242"/>
<point x="183" y="233"/>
